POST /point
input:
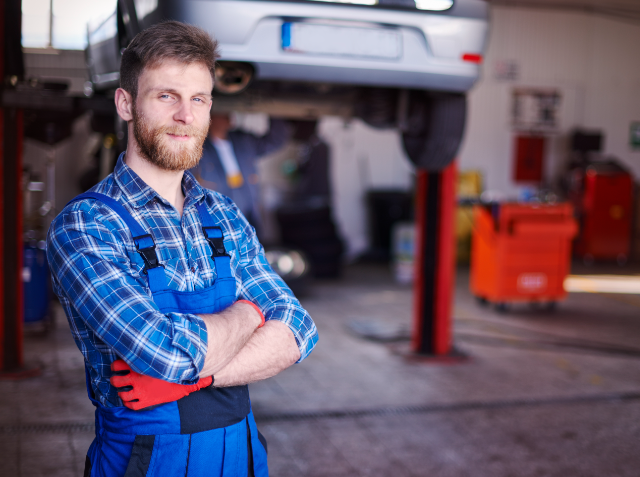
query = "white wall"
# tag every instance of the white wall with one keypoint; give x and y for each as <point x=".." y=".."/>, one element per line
<point x="592" y="60"/>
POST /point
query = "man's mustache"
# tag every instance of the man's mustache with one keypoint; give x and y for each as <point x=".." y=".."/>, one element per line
<point x="179" y="131"/>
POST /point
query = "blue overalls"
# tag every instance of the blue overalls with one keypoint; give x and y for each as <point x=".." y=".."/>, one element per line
<point x="210" y="432"/>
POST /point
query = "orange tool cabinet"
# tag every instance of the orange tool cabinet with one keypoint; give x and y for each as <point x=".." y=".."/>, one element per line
<point x="521" y="252"/>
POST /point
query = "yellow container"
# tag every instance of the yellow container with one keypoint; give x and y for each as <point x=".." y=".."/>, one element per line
<point x="468" y="187"/>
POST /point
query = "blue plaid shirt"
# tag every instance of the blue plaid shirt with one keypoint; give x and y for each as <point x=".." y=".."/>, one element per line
<point x="97" y="274"/>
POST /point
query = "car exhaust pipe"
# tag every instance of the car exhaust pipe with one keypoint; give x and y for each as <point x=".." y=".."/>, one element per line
<point x="232" y="77"/>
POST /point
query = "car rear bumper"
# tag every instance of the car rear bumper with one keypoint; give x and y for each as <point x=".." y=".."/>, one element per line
<point x="431" y="56"/>
<point x="365" y="76"/>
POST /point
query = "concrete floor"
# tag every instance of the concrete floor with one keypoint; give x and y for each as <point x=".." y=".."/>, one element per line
<point x="542" y="394"/>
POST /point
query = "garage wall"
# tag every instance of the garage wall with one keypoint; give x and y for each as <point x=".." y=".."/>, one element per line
<point x="591" y="59"/>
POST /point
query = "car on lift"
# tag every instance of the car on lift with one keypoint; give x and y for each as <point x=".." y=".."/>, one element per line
<point x="404" y="64"/>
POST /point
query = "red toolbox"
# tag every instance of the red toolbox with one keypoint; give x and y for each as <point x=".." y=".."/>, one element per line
<point x="521" y="252"/>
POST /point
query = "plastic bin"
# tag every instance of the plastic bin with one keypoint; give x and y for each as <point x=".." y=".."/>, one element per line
<point x="35" y="278"/>
<point x="521" y="253"/>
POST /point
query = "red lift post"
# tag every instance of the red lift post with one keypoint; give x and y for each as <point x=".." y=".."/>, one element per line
<point x="434" y="263"/>
<point x="11" y="132"/>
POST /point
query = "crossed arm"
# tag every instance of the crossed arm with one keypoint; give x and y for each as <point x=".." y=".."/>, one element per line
<point x="239" y="352"/>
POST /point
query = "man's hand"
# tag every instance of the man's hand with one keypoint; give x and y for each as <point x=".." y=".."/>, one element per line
<point x="138" y="391"/>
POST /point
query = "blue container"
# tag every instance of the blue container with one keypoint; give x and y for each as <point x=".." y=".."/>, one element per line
<point x="35" y="278"/>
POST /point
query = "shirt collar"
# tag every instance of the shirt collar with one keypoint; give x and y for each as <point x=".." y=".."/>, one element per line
<point x="138" y="193"/>
<point x="192" y="190"/>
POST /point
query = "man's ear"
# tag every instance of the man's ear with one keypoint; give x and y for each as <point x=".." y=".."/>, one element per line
<point x="124" y="104"/>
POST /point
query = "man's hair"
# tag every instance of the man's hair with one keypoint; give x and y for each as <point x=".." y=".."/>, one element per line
<point x="169" y="40"/>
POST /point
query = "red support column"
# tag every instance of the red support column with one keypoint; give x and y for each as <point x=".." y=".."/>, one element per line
<point x="13" y="302"/>
<point x="434" y="262"/>
<point x="2" y="174"/>
<point x="2" y="231"/>
<point x="11" y="247"/>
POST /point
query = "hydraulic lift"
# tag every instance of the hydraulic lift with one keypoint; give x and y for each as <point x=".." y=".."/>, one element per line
<point x="435" y="264"/>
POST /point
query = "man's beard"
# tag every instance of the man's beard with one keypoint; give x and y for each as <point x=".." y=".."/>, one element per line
<point x="152" y="144"/>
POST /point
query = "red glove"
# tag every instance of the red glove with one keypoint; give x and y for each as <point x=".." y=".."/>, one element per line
<point x="255" y="307"/>
<point x="138" y="391"/>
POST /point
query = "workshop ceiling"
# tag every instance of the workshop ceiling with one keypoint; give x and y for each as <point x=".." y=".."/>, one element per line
<point x="621" y="8"/>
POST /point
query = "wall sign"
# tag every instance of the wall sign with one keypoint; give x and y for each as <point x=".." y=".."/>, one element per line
<point x="507" y="70"/>
<point x="535" y="110"/>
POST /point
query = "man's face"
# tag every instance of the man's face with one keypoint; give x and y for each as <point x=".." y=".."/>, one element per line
<point x="171" y="114"/>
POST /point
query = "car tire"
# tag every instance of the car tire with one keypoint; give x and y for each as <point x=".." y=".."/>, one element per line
<point x="434" y="128"/>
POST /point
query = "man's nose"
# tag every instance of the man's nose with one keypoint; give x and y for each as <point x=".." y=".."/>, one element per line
<point x="184" y="114"/>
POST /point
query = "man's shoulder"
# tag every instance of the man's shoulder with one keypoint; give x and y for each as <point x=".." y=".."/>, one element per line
<point x="88" y="209"/>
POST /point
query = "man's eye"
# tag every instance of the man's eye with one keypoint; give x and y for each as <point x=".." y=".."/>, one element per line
<point x="163" y="96"/>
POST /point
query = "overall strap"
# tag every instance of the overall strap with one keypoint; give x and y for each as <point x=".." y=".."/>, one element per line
<point x="145" y="245"/>
<point x="215" y="237"/>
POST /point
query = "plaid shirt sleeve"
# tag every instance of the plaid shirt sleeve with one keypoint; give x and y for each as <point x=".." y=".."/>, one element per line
<point x="262" y="286"/>
<point x="259" y="284"/>
<point x="90" y="266"/>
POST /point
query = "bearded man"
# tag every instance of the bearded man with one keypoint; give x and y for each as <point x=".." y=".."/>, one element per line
<point x="166" y="288"/>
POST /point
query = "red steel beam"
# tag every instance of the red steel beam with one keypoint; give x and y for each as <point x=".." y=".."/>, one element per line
<point x="11" y="248"/>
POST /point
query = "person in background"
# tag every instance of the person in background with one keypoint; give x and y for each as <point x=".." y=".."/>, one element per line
<point x="313" y="183"/>
<point x="228" y="162"/>
<point x="306" y="219"/>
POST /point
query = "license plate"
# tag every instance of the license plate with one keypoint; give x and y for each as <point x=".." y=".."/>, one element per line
<point x="336" y="40"/>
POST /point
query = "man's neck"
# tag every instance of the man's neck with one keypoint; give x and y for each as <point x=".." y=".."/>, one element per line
<point x="168" y="184"/>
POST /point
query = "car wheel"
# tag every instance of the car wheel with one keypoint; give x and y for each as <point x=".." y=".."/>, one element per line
<point x="433" y="128"/>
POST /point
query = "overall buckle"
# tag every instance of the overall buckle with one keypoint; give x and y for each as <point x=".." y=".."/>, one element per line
<point x="148" y="254"/>
<point x="216" y="243"/>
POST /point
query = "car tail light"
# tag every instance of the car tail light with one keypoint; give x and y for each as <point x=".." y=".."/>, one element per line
<point x="472" y="58"/>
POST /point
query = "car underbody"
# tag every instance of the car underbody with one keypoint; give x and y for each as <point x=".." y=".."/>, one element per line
<point x="387" y="63"/>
